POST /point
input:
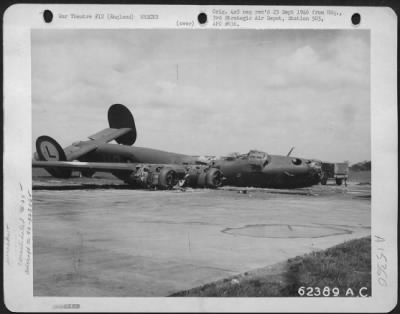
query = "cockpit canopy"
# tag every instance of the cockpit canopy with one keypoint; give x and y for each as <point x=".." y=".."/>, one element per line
<point x="256" y="154"/>
<point x="255" y="157"/>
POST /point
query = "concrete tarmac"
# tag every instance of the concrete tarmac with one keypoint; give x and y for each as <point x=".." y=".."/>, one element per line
<point x="118" y="242"/>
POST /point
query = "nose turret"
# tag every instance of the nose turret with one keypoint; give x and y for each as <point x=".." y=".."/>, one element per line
<point x="284" y="171"/>
<point x="316" y="169"/>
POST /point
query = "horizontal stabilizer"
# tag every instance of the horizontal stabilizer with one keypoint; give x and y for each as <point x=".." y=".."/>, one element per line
<point x="109" y="134"/>
<point x="81" y="148"/>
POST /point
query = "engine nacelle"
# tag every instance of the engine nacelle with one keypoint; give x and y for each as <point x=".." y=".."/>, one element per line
<point x="165" y="177"/>
<point x="156" y="176"/>
<point x="141" y="177"/>
<point x="202" y="177"/>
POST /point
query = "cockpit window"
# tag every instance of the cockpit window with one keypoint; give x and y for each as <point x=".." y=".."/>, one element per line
<point x="258" y="158"/>
<point x="253" y="157"/>
<point x="255" y="154"/>
<point x="231" y="156"/>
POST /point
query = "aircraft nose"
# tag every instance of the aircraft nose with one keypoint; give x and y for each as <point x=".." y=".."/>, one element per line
<point x="316" y="167"/>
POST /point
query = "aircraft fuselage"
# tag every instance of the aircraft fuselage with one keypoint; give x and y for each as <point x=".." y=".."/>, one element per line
<point x="278" y="172"/>
<point x="157" y="168"/>
<point x="272" y="171"/>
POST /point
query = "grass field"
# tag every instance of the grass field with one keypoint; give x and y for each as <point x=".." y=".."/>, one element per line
<point x="344" y="266"/>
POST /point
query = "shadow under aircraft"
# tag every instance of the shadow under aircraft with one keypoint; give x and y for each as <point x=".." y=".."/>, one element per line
<point x="150" y="168"/>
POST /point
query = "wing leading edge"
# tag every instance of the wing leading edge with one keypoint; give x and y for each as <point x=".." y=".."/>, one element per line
<point x="78" y="165"/>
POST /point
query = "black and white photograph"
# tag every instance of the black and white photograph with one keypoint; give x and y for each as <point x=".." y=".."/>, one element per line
<point x="202" y="163"/>
<point x="221" y="110"/>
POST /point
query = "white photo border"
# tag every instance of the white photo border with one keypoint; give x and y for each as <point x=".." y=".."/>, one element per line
<point x="20" y="19"/>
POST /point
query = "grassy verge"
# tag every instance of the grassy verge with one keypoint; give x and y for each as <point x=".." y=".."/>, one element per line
<point x="344" y="266"/>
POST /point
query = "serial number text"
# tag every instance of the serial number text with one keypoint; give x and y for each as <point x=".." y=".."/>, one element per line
<point x="332" y="292"/>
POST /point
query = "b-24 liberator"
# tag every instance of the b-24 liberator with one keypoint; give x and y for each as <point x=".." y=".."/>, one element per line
<point x="150" y="168"/>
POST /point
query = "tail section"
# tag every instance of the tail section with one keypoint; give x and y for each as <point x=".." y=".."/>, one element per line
<point x="119" y="117"/>
<point x="122" y="129"/>
<point x="48" y="149"/>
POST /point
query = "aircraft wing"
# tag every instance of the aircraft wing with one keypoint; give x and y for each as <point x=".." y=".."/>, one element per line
<point x="162" y="176"/>
<point x="78" y="165"/>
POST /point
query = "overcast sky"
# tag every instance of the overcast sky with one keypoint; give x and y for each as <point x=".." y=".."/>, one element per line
<point x="209" y="92"/>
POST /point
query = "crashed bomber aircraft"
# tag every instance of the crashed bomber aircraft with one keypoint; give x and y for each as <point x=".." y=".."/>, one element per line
<point x="150" y="168"/>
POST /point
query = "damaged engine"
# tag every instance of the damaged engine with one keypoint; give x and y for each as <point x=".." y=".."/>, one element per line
<point x="165" y="177"/>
